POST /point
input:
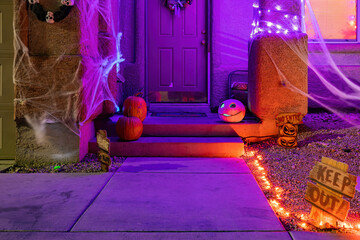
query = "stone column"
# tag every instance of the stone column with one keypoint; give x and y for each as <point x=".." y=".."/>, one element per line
<point x="47" y="82"/>
<point x="278" y="62"/>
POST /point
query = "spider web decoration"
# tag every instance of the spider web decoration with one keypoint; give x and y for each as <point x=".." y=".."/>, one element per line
<point x="335" y="91"/>
<point x="67" y="72"/>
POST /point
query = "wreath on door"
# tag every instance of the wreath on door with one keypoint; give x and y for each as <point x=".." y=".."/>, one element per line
<point x="49" y="16"/>
<point x="176" y="5"/>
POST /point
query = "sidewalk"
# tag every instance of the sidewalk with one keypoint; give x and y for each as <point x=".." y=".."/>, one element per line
<point x="147" y="198"/>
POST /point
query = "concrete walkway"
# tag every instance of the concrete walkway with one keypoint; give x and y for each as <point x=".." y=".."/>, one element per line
<point x="147" y="198"/>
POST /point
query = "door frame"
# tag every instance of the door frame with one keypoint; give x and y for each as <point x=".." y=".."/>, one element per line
<point x="180" y="107"/>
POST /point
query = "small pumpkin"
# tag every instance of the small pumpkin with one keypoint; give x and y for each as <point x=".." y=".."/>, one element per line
<point x="231" y="110"/>
<point x="129" y="128"/>
<point x="135" y="107"/>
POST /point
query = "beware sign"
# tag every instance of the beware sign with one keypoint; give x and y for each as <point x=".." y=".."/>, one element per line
<point x="334" y="182"/>
<point x="293" y="118"/>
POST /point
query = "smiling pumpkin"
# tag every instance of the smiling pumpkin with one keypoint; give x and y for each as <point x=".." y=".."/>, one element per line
<point x="231" y="110"/>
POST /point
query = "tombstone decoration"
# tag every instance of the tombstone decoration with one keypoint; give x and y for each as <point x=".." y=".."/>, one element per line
<point x="332" y="182"/>
<point x="104" y="149"/>
<point x="50" y="16"/>
<point x="288" y="128"/>
<point x="176" y="5"/>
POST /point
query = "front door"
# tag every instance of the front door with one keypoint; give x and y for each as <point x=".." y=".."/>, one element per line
<point x="177" y="50"/>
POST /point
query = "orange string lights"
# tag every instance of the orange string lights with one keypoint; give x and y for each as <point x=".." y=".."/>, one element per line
<point x="275" y="196"/>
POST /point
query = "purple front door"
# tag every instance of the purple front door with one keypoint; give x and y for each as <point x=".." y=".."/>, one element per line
<point x="177" y="53"/>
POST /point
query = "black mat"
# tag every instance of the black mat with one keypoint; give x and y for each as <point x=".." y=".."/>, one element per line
<point x="177" y="114"/>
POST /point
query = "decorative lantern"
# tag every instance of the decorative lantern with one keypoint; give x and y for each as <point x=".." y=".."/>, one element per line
<point x="231" y="110"/>
<point x="135" y="107"/>
<point x="129" y="128"/>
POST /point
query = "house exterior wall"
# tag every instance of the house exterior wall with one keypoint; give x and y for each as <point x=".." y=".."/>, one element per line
<point x="230" y="32"/>
<point x="230" y="27"/>
<point x="230" y="22"/>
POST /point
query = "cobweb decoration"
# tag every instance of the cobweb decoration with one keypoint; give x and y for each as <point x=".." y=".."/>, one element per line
<point x="101" y="56"/>
<point x="275" y="18"/>
<point x="67" y="72"/>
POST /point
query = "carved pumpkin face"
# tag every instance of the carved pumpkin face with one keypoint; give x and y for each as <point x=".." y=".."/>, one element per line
<point x="231" y="110"/>
<point x="287" y="141"/>
<point x="288" y="129"/>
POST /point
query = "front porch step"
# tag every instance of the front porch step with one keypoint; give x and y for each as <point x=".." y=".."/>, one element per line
<point x="174" y="147"/>
<point x="210" y="126"/>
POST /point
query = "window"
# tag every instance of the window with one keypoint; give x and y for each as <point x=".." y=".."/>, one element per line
<point x="337" y="19"/>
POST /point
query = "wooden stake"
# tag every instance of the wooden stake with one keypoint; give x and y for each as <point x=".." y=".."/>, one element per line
<point x="104" y="150"/>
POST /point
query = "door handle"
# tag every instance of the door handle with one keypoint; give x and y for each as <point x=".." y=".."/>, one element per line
<point x="203" y="42"/>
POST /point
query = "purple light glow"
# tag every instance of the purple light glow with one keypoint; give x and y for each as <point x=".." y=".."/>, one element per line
<point x="101" y="55"/>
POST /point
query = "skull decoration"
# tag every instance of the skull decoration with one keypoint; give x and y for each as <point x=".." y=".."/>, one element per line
<point x="33" y="1"/>
<point x="67" y="2"/>
<point x="231" y="110"/>
<point x="176" y="4"/>
<point x="49" y="17"/>
<point x="288" y="129"/>
<point x="287" y="141"/>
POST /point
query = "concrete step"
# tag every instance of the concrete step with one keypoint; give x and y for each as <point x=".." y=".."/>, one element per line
<point x="210" y="126"/>
<point x="175" y="147"/>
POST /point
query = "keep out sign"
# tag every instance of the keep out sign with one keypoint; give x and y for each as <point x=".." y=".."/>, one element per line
<point x="327" y="201"/>
<point x="334" y="182"/>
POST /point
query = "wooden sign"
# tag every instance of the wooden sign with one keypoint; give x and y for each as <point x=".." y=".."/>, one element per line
<point x="288" y="129"/>
<point x="327" y="200"/>
<point x="104" y="149"/>
<point x="293" y="118"/>
<point x="325" y="219"/>
<point x="334" y="178"/>
<point x="327" y="196"/>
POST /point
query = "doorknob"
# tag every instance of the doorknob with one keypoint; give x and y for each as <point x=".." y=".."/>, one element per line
<point x="203" y="42"/>
<point x="203" y="31"/>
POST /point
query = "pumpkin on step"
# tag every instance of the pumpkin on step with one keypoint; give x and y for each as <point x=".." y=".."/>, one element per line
<point x="231" y="110"/>
<point x="135" y="107"/>
<point x="129" y="128"/>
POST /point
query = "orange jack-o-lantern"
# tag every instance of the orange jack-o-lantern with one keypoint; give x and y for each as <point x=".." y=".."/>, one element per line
<point x="135" y="107"/>
<point x="231" y="110"/>
<point x="129" y="128"/>
<point x="288" y="129"/>
<point x="287" y="141"/>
